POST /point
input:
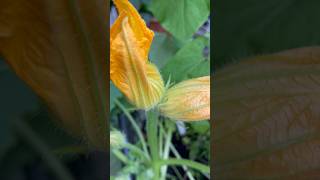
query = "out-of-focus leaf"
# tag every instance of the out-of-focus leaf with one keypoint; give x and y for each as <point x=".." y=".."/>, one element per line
<point x="187" y="62"/>
<point x="201" y="69"/>
<point x="136" y="3"/>
<point x="115" y="165"/>
<point x="15" y="100"/>
<point x="59" y="49"/>
<point x="181" y="17"/>
<point x="163" y="47"/>
<point x="200" y="126"/>
<point x="114" y="94"/>
<point x="267" y="112"/>
<point x="113" y="15"/>
<point x="255" y="27"/>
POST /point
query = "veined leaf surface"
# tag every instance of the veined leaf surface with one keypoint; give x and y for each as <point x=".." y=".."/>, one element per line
<point x="182" y="18"/>
<point x="59" y="49"/>
<point x="266" y="117"/>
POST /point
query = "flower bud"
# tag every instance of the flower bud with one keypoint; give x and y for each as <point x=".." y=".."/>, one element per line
<point x="117" y="139"/>
<point x="188" y="100"/>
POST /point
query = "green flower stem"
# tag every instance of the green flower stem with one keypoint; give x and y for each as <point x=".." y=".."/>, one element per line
<point x="134" y="125"/>
<point x="161" y="137"/>
<point x="166" y="151"/>
<point x="120" y="156"/>
<point x="136" y="150"/>
<point x="177" y="172"/>
<point x="152" y="131"/>
<point x="185" y="162"/>
<point x="176" y="153"/>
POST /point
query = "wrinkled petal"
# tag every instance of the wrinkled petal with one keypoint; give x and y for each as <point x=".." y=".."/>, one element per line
<point x="188" y="100"/>
<point x="130" y="70"/>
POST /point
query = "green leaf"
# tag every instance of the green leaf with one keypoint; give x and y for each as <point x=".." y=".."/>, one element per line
<point x="201" y="69"/>
<point x="188" y="62"/>
<point x="163" y="47"/>
<point x="267" y="117"/>
<point x="200" y="126"/>
<point x="252" y="27"/>
<point x="136" y="3"/>
<point x="182" y="18"/>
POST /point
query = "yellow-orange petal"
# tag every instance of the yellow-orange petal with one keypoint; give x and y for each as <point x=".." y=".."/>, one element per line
<point x="142" y="33"/>
<point x="188" y="100"/>
<point x="130" y="70"/>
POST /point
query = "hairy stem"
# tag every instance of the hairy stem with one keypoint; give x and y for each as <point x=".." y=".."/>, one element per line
<point x="135" y="126"/>
<point x="152" y="131"/>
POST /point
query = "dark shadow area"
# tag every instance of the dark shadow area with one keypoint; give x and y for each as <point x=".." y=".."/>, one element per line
<point x="33" y="146"/>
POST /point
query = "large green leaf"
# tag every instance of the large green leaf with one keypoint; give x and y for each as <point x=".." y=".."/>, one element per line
<point x="182" y="18"/>
<point x="188" y="62"/>
<point x="162" y="49"/>
<point x="59" y="49"/>
<point x="255" y="27"/>
<point x="266" y="117"/>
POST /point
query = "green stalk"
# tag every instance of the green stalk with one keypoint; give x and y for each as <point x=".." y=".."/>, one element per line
<point x="161" y="137"/>
<point x="152" y="131"/>
<point x="166" y="151"/>
<point x="176" y="171"/>
<point x="120" y="156"/>
<point x="136" y="150"/>
<point x="176" y="153"/>
<point x="135" y="126"/>
<point x="185" y="162"/>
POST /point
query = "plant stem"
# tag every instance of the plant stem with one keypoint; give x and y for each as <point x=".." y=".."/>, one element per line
<point x="120" y="156"/>
<point x="166" y="151"/>
<point x="161" y="137"/>
<point x="185" y="162"/>
<point x="135" y="126"/>
<point x="152" y="131"/>
<point x="27" y="134"/>
<point x="176" y="153"/>
<point x="176" y="171"/>
<point x="136" y="150"/>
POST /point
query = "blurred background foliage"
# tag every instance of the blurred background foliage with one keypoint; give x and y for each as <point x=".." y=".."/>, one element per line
<point x="46" y="49"/>
<point x="250" y="27"/>
<point x="32" y="146"/>
<point x="266" y="106"/>
<point x="181" y="50"/>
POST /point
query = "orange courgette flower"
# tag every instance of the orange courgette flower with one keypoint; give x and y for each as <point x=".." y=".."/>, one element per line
<point x="188" y="100"/>
<point x="130" y="70"/>
<point x="140" y="81"/>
